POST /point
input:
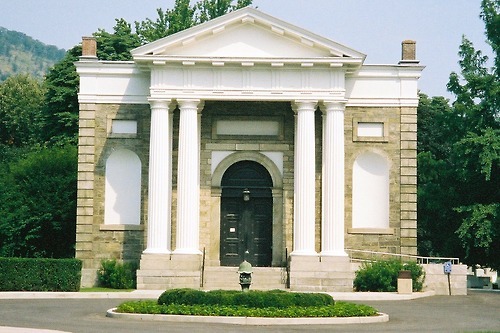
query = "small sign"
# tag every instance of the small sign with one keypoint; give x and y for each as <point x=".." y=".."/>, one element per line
<point x="447" y="267"/>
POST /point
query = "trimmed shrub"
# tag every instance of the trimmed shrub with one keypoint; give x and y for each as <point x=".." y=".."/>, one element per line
<point x="39" y="274"/>
<point x="383" y="275"/>
<point x="117" y="275"/>
<point x="252" y="299"/>
<point x="417" y="274"/>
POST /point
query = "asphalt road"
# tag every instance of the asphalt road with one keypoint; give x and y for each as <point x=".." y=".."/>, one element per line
<point x="477" y="312"/>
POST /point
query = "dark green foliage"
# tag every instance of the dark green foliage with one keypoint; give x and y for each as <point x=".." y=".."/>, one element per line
<point x="25" y="274"/>
<point x="116" y="45"/>
<point x="61" y="100"/>
<point x="253" y="299"/>
<point x="38" y="203"/>
<point x="117" y="275"/>
<point x="382" y="276"/>
<point x="339" y="309"/>
<point x="21" y="103"/>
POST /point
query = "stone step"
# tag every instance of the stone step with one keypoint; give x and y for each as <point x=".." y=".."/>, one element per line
<point x="263" y="278"/>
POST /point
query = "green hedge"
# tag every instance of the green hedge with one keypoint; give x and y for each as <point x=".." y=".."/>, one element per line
<point x="383" y="275"/>
<point x="37" y="274"/>
<point x="252" y="299"/>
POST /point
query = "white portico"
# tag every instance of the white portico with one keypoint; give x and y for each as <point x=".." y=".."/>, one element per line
<point x="247" y="103"/>
<point x="248" y="55"/>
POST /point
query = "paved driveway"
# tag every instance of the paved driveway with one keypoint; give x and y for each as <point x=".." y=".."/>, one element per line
<point x="477" y="312"/>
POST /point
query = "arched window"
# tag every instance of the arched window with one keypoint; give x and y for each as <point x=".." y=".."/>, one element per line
<point x="123" y="188"/>
<point x="370" y="192"/>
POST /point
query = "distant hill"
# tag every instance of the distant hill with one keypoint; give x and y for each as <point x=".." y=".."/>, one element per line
<point x="20" y="53"/>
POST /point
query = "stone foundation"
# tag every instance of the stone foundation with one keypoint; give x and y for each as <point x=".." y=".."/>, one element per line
<point x="168" y="271"/>
<point x="315" y="273"/>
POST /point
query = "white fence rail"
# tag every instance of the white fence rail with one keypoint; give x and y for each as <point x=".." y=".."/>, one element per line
<point x="363" y="255"/>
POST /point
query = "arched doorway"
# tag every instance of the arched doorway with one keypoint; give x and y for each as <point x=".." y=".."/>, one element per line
<point x="246" y="215"/>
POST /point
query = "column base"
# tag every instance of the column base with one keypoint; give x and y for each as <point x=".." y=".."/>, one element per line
<point x="186" y="252"/>
<point x="304" y="253"/>
<point x="168" y="271"/>
<point x="333" y="254"/>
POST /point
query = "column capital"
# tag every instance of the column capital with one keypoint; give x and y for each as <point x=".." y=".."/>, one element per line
<point x="304" y="105"/>
<point x="191" y="103"/>
<point x="160" y="103"/>
<point x="332" y="105"/>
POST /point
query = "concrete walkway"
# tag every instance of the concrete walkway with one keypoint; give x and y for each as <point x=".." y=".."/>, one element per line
<point x="154" y="294"/>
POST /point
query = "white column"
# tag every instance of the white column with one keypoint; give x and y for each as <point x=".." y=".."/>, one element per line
<point x="160" y="178"/>
<point x="304" y="179"/>
<point x="332" y="223"/>
<point x="188" y="179"/>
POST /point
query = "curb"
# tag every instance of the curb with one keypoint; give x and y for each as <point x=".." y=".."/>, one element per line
<point x="249" y="321"/>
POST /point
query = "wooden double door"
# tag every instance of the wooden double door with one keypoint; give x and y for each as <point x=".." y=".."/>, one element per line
<point x="246" y="215"/>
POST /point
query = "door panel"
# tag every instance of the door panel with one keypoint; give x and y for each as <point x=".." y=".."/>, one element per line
<point x="246" y="226"/>
<point x="230" y="252"/>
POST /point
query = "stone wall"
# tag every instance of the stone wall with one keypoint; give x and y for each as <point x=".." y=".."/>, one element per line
<point x="96" y="241"/>
<point x="436" y="280"/>
<point x="388" y="147"/>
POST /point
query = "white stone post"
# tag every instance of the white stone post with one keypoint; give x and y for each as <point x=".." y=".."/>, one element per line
<point x="304" y="179"/>
<point x="188" y="179"/>
<point x="160" y="178"/>
<point x="332" y="223"/>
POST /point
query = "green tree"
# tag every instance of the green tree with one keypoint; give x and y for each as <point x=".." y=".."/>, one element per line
<point x="478" y="152"/>
<point x="459" y="154"/>
<point x="38" y="204"/>
<point x="61" y="100"/>
<point x="21" y="102"/>
<point x="116" y="45"/>
<point x="210" y="9"/>
<point x="184" y="16"/>
<point x="437" y="188"/>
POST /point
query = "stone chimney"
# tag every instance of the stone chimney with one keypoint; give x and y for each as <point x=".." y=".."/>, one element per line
<point x="408" y="52"/>
<point x="89" y="48"/>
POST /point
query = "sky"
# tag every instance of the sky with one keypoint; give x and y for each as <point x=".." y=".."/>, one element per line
<point x="373" y="27"/>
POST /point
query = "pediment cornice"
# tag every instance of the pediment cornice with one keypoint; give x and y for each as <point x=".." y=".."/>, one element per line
<point x="247" y="37"/>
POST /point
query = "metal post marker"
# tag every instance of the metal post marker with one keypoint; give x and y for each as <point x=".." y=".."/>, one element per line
<point x="447" y="270"/>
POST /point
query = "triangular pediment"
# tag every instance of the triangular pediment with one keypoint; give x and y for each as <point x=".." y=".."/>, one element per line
<point x="246" y="34"/>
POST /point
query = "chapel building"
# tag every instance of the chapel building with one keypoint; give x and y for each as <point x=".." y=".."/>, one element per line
<point x="245" y="138"/>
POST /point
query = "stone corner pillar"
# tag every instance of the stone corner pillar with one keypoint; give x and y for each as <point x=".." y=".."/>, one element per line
<point x="333" y="179"/>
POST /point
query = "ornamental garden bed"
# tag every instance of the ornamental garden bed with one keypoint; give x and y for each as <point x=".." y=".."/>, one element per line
<point x="263" y="304"/>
